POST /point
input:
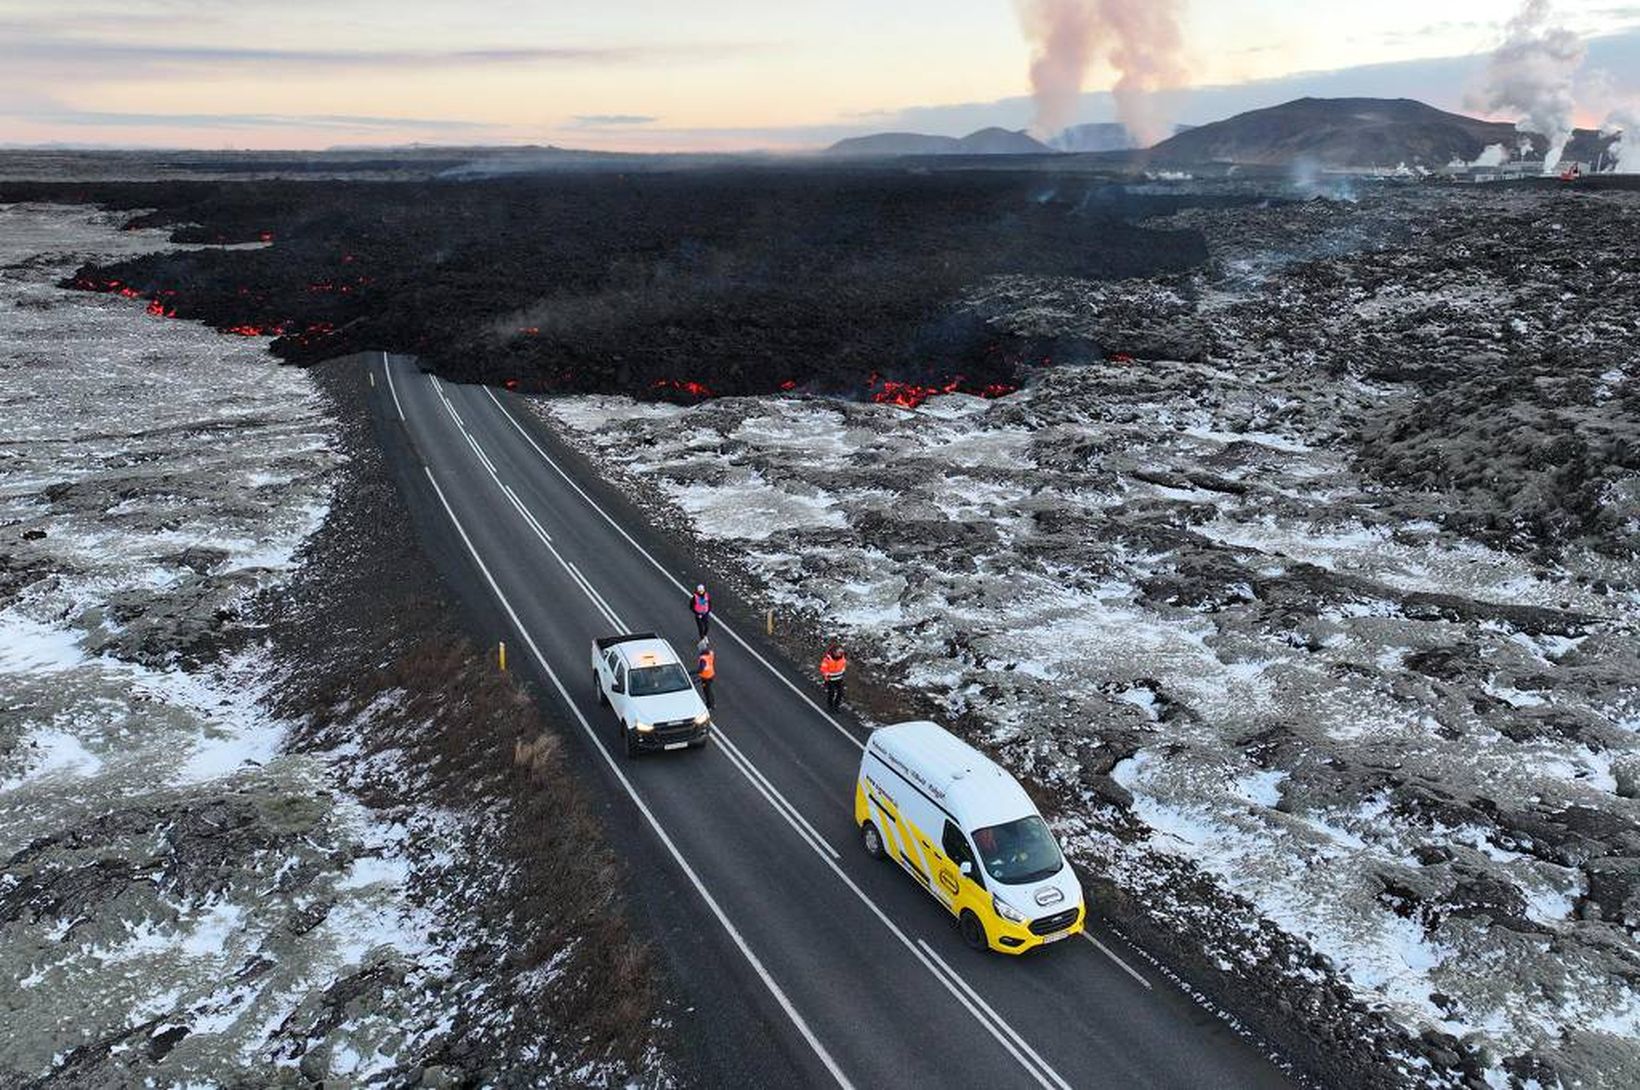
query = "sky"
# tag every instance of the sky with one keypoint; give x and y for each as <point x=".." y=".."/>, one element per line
<point x="665" y="76"/>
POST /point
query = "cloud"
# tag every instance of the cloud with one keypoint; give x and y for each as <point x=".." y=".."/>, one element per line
<point x="143" y="54"/>
<point x="347" y="122"/>
<point x="603" y="120"/>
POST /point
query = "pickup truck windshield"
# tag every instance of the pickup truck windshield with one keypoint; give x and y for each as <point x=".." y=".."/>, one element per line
<point x="1018" y="852"/>
<point x="655" y="680"/>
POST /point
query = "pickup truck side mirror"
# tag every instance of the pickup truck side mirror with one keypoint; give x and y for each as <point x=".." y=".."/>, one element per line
<point x="966" y="867"/>
<point x="617" y="687"/>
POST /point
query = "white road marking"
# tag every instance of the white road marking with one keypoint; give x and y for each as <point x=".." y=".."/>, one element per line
<point x="387" y="367"/>
<point x="1109" y="953"/>
<point x="1004" y="1033"/>
<point x="598" y="599"/>
<point x="801" y="695"/>
<point x="681" y="588"/>
<point x="783" y="805"/>
<point x="643" y="808"/>
<point x="1046" y="1070"/>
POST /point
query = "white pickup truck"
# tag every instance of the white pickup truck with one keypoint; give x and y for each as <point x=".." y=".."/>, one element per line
<point x="655" y="702"/>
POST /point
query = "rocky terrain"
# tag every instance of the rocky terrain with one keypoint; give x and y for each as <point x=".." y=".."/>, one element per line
<point x="1356" y="133"/>
<point x="681" y="284"/>
<point x="239" y="841"/>
<point x="1309" y="603"/>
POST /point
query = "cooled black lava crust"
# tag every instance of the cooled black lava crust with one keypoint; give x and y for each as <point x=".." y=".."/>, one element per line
<point x="656" y="284"/>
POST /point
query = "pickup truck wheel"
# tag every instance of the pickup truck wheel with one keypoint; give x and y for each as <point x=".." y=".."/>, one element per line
<point x="873" y="840"/>
<point x="603" y="697"/>
<point x="973" y="931"/>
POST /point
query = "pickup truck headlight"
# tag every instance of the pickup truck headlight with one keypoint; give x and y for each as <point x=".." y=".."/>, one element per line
<point x="643" y="728"/>
<point x="703" y="718"/>
<point x="1006" y="910"/>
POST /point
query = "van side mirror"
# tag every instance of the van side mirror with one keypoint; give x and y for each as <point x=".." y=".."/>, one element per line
<point x="617" y="686"/>
<point x="966" y="867"/>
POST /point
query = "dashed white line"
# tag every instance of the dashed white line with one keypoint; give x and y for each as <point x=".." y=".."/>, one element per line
<point x="1125" y="967"/>
<point x="1003" y="1032"/>
<point x="643" y="808"/>
<point x="801" y="695"/>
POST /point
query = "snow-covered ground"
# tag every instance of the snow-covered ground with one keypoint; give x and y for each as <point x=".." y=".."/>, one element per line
<point x="1171" y="593"/>
<point x="175" y="889"/>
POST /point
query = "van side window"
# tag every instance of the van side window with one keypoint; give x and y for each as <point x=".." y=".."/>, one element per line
<point x="957" y="850"/>
<point x="620" y="677"/>
<point x="610" y="658"/>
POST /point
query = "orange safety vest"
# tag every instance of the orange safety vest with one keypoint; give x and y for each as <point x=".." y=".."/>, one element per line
<point x="707" y="667"/>
<point x="832" y="668"/>
<point x="701" y="603"/>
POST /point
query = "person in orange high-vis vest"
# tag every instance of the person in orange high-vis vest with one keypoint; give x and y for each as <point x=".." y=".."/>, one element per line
<point x="706" y="669"/>
<point x="833" y="665"/>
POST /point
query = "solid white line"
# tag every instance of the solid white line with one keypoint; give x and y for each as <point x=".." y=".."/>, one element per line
<point x="592" y="596"/>
<point x="518" y="505"/>
<point x="597" y="599"/>
<point x="387" y="367"/>
<point x="438" y="389"/>
<point x="1047" y="1070"/>
<point x="793" y="815"/>
<point x="1004" y="1033"/>
<point x="643" y="808"/>
<point x="1126" y="968"/>
<point x="489" y="465"/>
<point x="801" y="695"/>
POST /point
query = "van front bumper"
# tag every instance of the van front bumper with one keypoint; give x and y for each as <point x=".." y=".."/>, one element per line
<point x="1016" y="938"/>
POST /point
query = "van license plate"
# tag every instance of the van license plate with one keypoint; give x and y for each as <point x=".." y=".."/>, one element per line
<point x="1055" y="937"/>
<point x="676" y="745"/>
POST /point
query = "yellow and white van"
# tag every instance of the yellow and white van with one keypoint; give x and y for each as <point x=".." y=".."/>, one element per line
<point x="969" y="834"/>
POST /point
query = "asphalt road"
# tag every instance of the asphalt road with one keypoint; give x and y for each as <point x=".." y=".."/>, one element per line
<point x="803" y="961"/>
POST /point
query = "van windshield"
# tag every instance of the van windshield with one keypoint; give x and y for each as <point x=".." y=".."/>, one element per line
<point x="655" y="680"/>
<point x="1019" y="852"/>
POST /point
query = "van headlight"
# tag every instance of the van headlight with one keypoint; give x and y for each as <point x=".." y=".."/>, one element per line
<point x="702" y="718"/>
<point x="1006" y="910"/>
<point x="642" y="727"/>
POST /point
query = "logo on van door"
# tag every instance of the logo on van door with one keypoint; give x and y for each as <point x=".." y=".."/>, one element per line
<point x="948" y="879"/>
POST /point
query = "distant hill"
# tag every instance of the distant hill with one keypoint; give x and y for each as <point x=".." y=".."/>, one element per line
<point x="992" y="141"/>
<point x="1353" y="132"/>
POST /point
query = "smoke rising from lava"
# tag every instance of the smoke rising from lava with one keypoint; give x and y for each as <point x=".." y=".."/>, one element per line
<point x="1140" y="39"/>
<point x="1531" y="74"/>
<point x="1624" y="122"/>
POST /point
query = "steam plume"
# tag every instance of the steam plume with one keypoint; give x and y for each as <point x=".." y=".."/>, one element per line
<point x="1531" y="73"/>
<point x="1624" y="121"/>
<point x="1140" y="39"/>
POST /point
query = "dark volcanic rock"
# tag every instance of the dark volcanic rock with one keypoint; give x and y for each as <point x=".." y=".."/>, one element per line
<point x="663" y="284"/>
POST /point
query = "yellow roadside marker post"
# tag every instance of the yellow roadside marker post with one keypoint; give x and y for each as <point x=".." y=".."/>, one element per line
<point x="768" y="625"/>
<point x="503" y="656"/>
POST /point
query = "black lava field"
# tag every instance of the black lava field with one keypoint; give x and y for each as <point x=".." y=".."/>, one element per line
<point x="667" y="285"/>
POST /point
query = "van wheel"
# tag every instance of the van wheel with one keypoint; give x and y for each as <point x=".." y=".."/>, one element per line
<point x="873" y="840"/>
<point x="603" y="697"/>
<point x="973" y="932"/>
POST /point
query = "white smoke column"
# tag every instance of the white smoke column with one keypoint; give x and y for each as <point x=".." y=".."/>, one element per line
<point x="1531" y="73"/>
<point x="1493" y="155"/>
<point x="1141" y="40"/>
<point x="1624" y="122"/>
